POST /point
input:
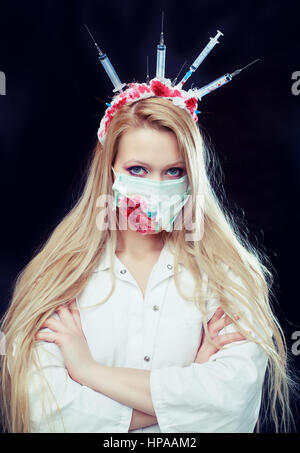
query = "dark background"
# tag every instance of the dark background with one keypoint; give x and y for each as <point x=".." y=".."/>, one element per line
<point x="50" y="114"/>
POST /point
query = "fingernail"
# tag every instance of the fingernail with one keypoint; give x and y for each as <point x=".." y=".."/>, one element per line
<point x="236" y="316"/>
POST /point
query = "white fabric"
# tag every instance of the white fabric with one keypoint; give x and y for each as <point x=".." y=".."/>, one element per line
<point x="221" y="395"/>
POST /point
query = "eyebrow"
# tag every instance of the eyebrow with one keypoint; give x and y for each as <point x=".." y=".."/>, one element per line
<point x="148" y="165"/>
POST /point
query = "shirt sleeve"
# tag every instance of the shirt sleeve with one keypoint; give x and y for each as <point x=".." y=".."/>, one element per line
<point x="59" y="404"/>
<point x="222" y="395"/>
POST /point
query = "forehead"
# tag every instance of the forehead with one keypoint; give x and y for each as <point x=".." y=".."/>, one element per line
<point x="148" y="144"/>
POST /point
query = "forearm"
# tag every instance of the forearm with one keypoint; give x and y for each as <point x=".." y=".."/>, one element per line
<point x="128" y="386"/>
<point x="141" y="420"/>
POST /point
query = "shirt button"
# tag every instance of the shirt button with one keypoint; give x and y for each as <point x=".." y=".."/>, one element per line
<point x="169" y="266"/>
<point x="147" y="358"/>
<point x="123" y="271"/>
<point x="155" y="307"/>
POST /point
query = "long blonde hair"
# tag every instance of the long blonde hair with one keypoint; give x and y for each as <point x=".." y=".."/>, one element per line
<point x="61" y="268"/>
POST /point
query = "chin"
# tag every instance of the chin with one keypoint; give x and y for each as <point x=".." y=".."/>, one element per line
<point x="145" y="231"/>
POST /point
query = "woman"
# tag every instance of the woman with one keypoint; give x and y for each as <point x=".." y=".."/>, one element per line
<point x="95" y="354"/>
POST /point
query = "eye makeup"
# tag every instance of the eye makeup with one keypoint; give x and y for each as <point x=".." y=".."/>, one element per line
<point x="132" y="171"/>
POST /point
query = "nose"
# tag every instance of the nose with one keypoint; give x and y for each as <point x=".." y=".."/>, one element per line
<point x="156" y="176"/>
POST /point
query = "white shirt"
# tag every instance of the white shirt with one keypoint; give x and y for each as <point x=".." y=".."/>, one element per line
<point x="161" y="333"/>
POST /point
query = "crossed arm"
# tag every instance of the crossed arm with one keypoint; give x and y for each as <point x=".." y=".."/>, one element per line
<point x="141" y="420"/>
<point x="128" y="386"/>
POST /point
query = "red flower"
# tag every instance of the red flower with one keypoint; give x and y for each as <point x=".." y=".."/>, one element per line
<point x="159" y="89"/>
<point x="191" y="104"/>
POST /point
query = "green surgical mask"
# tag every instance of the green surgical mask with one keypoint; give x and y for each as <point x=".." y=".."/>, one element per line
<point x="149" y="203"/>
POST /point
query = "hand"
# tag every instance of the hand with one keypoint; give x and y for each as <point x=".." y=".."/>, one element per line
<point x="67" y="333"/>
<point x="215" y="324"/>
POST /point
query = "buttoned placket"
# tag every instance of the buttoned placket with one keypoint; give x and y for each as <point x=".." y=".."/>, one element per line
<point x="144" y="318"/>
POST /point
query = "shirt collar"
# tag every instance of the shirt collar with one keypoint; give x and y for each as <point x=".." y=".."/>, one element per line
<point x="165" y="261"/>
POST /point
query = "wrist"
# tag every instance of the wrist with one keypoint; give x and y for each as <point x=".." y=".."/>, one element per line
<point x="141" y="420"/>
<point x="91" y="374"/>
<point x="201" y="358"/>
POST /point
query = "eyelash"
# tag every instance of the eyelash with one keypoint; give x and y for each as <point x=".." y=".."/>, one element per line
<point x="129" y="169"/>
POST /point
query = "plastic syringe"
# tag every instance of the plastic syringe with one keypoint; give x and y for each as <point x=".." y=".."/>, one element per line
<point x="108" y="67"/>
<point x="161" y="54"/>
<point x="200" y="92"/>
<point x="201" y="57"/>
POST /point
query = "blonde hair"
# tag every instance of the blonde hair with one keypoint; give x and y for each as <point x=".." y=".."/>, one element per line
<point x="61" y="268"/>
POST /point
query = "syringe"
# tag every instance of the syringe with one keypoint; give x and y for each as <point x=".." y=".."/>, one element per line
<point x="200" y="92"/>
<point x="147" y="76"/>
<point x="161" y="54"/>
<point x="201" y="57"/>
<point x="108" y="67"/>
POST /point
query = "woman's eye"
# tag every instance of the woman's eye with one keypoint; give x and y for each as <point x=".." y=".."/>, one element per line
<point x="176" y="169"/>
<point x="132" y="170"/>
<point x="135" y="171"/>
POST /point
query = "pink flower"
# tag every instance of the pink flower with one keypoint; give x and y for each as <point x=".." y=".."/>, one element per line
<point x="143" y="88"/>
<point x="121" y="102"/>
<point x="157" y="88"/>
<point x="177" y="93"/>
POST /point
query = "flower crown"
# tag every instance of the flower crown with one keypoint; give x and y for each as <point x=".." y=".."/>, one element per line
<point x="159" y="86"/>
<point x="136" y="91"/>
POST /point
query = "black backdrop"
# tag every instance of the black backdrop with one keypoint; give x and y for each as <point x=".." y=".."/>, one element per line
<point x="50" y="114"/>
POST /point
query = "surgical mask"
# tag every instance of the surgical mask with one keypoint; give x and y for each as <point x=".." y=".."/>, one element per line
<point x="150" y="204"/>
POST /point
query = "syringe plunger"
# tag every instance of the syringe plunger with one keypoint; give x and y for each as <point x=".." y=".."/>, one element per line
<point x="202" y="56"/>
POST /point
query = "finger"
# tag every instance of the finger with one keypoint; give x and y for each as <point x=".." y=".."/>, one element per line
<point x="53" y="324"/>
<point x="221" y="340"/>
<point x="223" y="322"/>
<point x="66" y="316"/>
<point x="46" y="336"/>
<point x="217" y="315"/>
<point x="75" y="313"/>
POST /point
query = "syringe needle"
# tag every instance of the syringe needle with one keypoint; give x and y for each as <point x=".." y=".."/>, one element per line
<point x="250" y="64"/>
<point x="147" y="77"/>
<point x="89" y="31"/>
<point x="239" y="70"/>
<point x="161" y="54"/>
<point x="97" y="47"/>
<point x="175" y="80"/>
<point x="104" y="60"/>
<point x="162" y="30"/>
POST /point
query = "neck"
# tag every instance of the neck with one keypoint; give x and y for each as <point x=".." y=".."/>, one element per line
<point x="135" y="244"/>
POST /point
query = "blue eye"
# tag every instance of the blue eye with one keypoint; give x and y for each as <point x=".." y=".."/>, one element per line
<point x="180" y="171"/>
<point x="133" y="172"/>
